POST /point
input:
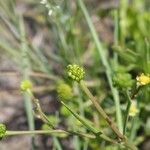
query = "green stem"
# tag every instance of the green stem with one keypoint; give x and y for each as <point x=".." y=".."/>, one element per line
<point x="104" y="62"/>
<point x="130" y="98"/>
<point x="57" y="143"/>
<point x="25" y="71"/>
<point x="100" y="110"/>
<point x="59" y="131"/>
<point x="38" y="110"/>
<point x="127" y="112"/>
<point x="134" y="128"/>
<point x="106" y="117"/>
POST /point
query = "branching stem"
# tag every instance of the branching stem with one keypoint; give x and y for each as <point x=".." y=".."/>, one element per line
<point x="101" y="111"/>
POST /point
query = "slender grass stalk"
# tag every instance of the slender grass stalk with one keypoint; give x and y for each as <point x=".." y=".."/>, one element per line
<point x="116" y="34"/>
<point x="104" y="62"/>
<point x="57" y="144"/>
<point x="123" y="20"/>
<point x="25" y="71"/>
<point x="40" y="58"/>
<point x="62" y="39"/>
<point x="9" y="49"/>
<point x="77" y="144"/>
<point x="116" y="31"/>
<point x="10" y="27"/>
<point x="127" y="112"/>
<point x="135" y="122"/>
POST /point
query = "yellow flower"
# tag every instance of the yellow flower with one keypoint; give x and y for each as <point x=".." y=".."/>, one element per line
<point x="143" y="79"/>
<point x="133" y="109"/>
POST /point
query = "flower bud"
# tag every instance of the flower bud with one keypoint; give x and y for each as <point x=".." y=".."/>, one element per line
<point x="2" y="130"/>
<point x="64" y="91"/>
<point x="75" y="72"/>
<point x="25" y="85"/>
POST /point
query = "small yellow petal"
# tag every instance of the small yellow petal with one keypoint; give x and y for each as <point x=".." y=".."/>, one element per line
<point x="143" y="79"/>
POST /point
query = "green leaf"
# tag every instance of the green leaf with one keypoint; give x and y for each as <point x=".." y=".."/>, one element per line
<point x="84" y="121"/>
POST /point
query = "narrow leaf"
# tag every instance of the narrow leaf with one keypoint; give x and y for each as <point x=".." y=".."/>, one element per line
<point x="84" y="121"/>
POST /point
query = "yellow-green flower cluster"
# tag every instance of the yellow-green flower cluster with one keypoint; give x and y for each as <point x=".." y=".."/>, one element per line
<point x="143" y="79"/>
<point x="64" y="91"/>
<point x="75" y="72"/>
<point x="25" y="85"/>
<point x="2" y="130"/>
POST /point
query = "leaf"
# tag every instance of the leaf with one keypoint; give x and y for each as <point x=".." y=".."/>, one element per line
<point x="84" y="121"/>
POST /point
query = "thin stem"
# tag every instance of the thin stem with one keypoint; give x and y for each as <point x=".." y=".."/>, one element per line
<point x="43" y="75"/>
<point x="106" y="117"/>
<point x="59" y="132"/>
<point x="134" y="128"/>
<point x="105" y="63"/>
<point x="127" y="112"/>
<point x="31" y="74"/>
<point x="10" y="133"/>
<point x="100" y="110"/>
<point x="25" y="70"/>
<point x="38" y="110"/>
<point x="130" y="98"/>
<point x="57" y="144"/>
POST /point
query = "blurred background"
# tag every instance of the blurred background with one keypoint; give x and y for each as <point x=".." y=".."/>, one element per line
<point x="38" y="39"/>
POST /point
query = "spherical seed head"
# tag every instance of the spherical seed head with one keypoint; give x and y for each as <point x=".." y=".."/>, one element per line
<point x="2" y="130"/>
<point x="75" y="72"/>
<point x="143" y="79"/>
<point x="25" y="85"/>
<point x="64" y="91"/>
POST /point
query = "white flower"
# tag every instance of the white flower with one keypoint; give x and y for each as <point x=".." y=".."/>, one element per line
<point x="43" y="1"/>
<point x="50" y="12"/>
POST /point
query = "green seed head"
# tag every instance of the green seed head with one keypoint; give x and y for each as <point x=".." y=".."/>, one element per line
<point x="75" y="72"/>
<point x="25" y="85"/>
<point x="122" y="80"/>
<point x="64" y="91"/>
<point x="2" y="130"/>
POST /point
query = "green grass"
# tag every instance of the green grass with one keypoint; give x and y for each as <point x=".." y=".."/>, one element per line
<point x="70" y="35"/>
